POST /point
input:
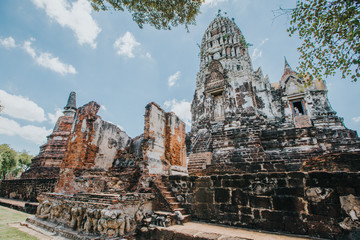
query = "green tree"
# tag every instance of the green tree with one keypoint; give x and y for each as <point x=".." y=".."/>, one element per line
<point x="8" y="160"/>
<point x="330" y="30"/>
<point x="23" y="163"/>
<point x="13" y="163"/>
<point x="157" y="13"/>
<point x="24" y="160"/>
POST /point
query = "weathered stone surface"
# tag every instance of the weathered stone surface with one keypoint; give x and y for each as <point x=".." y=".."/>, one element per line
<point x="109" y="215"/>
<point x="349" y="162"/>
<point x="247" y="143"/>
<point x="106" y="185"/>
<point x="93" y="146"/>
<point x="47" y="163"/>
<point x="26" y="189"/>
<point x="244" y="121"/>
<point x="271" y="201"/>
<point x="164" y="140"/>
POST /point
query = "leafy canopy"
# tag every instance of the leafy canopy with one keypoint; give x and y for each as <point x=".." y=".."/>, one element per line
<point x="330" y="30"/>
<point x="160" y="14"/>
<point x="8" y="160"/>
<point x="12" y="162"/>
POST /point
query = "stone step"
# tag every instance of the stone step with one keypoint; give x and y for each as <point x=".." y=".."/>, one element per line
<point x="196" y="164"/>
<point x="187" y="218"/>
<point x="171" y="199"/>
<point x="164" y="213"/>
<point x="167" y="194"/>
<point x="175" y="205"/>
<point x="197" y="167"/>
<point x="197" y="161"/>
<point x="182" y="210"/>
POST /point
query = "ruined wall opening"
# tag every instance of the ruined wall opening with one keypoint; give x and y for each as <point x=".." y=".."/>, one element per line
<point x="219" y="111"/>
<point x="298" y="108"/>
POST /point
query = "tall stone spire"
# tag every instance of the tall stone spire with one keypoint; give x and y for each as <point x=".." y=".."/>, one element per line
<point x="70" y="107"/>
<point x="223" y="41"/>
<point x="287" y="66"/>
<point x="47" y="163"/>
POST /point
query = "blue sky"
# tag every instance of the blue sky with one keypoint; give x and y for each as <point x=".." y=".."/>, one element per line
<point x="50" y="48"/>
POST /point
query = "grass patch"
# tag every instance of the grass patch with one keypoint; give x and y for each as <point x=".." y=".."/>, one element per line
<point x="11" y="216"/>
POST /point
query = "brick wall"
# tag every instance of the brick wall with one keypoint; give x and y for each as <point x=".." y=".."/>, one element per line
<point x="312" y="203"/>
<point x="26" y="189"/>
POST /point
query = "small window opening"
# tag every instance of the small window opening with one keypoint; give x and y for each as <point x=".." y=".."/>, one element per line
<point x="238" y="67"/>
<point x="211" y="44"/>
<point x="298" y="108"/>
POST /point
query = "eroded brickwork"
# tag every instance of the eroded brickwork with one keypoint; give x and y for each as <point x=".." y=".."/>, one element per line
<point x="243" y="120"/>
<point x="107" y="180"/>
<point x="91" y="151"/>
<point x="248" y="140"/>
<point x="47" y="163"/>
<point x="164" y="141"/>
<point x="109" y="216"/>
<point x="314" y="203"/>
<point x="26" y="189"/>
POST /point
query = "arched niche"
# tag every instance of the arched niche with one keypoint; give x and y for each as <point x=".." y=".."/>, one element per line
<point x="214" y="87"/>
<point x="215" y="79"/>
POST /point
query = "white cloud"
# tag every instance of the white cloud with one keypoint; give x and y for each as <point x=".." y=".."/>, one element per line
<point x="46" y="60"/>
<point x="29" y="49"/>
<point x="126" y="44"/>
<point x="54" y="117"/>
<point x="241" y="8"/>
<point x="148" y="55"/>
<point x="264" y="41"/>
<point x="173" y="78"/>
<point x="356" y="119"/>
<point x="103" y="107"/>
<point x="256" y="53"/>
<point x="29" y="132"/>
<point x="21" y="107"/>
<point x="75" y="15"/>
<point x="8" y="42"/>
<point x="213" y="3"/>
<point x="181" y="109"/>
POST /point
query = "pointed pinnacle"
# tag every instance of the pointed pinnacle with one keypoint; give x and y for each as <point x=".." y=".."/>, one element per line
<point x="71" y="103"/>
<point x="286" y="65"/>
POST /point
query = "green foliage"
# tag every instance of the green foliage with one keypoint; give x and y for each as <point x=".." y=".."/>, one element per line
<point x="12" y="162"/>
<point x="157" y="13"/>
<point x="24" y="160"/>
<point x="330" y="30"/>
<point x="8" y="158"/>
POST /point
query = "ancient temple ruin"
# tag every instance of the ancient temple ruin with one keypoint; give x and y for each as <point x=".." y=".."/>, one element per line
<point x="43" y="173"/>
<point x="261" y="155"/>
<point x="47" y="163"/>
<point x="109" y="183"/>
<point x="240" y="118"/>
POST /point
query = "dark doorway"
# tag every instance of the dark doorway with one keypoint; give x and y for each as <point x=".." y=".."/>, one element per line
<point x="298" y="108"/>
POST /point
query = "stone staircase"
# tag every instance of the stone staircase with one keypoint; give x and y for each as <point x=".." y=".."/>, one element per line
<point x="172" y="204"/>
<point x="201" y="143"/>
<point x="199" y="161"/>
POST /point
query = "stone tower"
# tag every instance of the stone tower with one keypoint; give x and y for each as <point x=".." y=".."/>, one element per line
<point x="47" y="163"/>
<point x="239" y="118"/>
